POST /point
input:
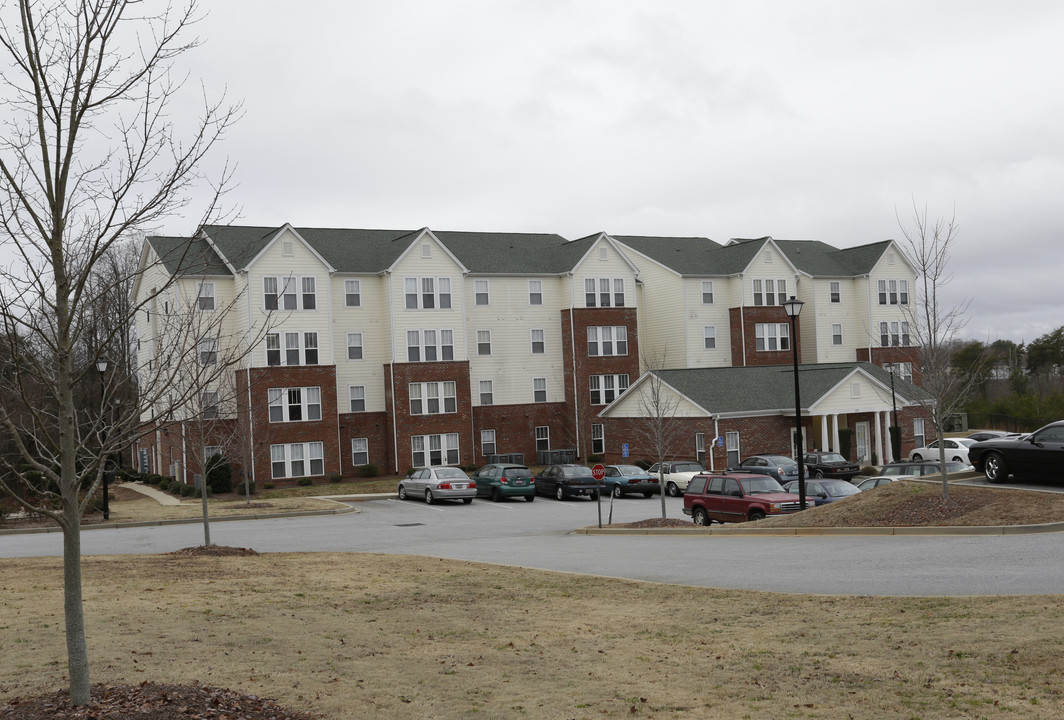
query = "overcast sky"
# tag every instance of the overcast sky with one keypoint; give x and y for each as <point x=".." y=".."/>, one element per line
<point x="799" y="120"/>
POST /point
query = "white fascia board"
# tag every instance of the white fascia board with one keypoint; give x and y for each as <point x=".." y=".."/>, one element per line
<point x="765" y="243"/>
<point x="280" y="231"/>
<point x="422" y="233"/>
<point x="219" y="253"/>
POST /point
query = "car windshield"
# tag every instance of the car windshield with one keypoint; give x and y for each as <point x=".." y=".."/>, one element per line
<point x="687" y="467"/>
<point x="517" y="472"/>
<point x="761" y="485"/>
<point x="629" y="470"/>
<point x="840" y="489"/>
<point x="831" y="457"/>
<point x="450" y="473"/>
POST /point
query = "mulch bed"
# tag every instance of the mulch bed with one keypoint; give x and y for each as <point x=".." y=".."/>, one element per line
<point x="151" y="701"/>
<point x="213" y="550"/>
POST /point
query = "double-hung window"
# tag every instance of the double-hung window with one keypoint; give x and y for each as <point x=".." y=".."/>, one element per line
<point x="835" y="291"/>
<point x="480" y="292"/>
<point x="893" y="292"/>
<point x="483" y="342"/>
<point x="607" y="340"/>
<point x="433" y="398"/>
<point x="770" y="291"/>
<point x="709" y="337"/>
<point x="487" y="442"/>
<point x="354" y="346"/>
<point x="598" y="439"/>
<point x="542" y="437"/>
<point x="296" y="460"/>
<point x="413" y="345"/>
<point x="438" y="345"/>
<point x="357" y="396"/>
<point x="607" y="388"/>
<point x="434" y="450"/>
<point x="209" y="403"/>
<point x="604" y="292"/>
<point x="538" y="343"/>
<point x="539" y="389"/>
<point x="310" y="348"/>
<point x="269" y="293"/>
<point x="310" y="298"/>
<point x="359" y="451"/>
<point x="208" y="351"/>
<point x="894" y="334"/>
<point x="618" y="292"/>
<point x="205" y="301"/>
<point x="352" y="293"/>
<point x="535" y="292"/>
<point x="427" y="293"/>
<point x="772" y="336"/>
<point x="487" y="394"/>
<point x="289" y="299"/>
<point x="836" y="333"/>
<point x="273" y="348"/>
<point x="707" y="292"/>
<point x="294" y="404"/>
<point x="291" y="348"/>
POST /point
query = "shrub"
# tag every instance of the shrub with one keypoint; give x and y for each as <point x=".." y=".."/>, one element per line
<point x="240" y="488"/>
<point x="869" y="471"/>
<point x="266" y="486"/>
<point x="369" y="471"/>
<point x="187" y="490"/>
<point x="304" y="481"/>
<point x="219" y="474"/>
<point x="197" y="491"/>
<point x="162" y="482"/>
<point x="594" y="458"/>
<point x="336" y="477"/>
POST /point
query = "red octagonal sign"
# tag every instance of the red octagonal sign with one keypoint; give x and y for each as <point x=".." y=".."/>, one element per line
<point x="598" y="472"/>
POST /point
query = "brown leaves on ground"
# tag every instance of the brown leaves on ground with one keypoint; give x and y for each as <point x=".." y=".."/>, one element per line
<point x="151" y="701"/>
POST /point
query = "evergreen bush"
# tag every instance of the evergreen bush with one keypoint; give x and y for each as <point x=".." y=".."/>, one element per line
<point x="368" y="471"/>
<point x="219" y="474"/>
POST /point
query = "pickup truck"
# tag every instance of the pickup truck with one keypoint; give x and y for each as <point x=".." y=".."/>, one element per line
<point x="677" y="474"/>
<point x="736" y="497"/>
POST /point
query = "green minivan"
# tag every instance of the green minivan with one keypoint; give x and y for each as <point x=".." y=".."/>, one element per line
<point x="505" y="480"/>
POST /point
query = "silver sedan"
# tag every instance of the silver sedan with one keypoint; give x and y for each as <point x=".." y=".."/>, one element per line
<point x="438" y="483"/>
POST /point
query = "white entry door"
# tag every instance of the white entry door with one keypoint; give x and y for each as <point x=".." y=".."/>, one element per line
<point x="862" y="442"/>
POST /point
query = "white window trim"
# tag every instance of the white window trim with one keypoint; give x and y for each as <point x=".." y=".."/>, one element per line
<point x="305" y="404"/>
<point x="542" y="341"/>
<point x="709" y="333"/>
<point x="351" y="398"/>
<point x="479" y="343"/>
<point x="764" y="333"/>
<point x="360" y="345"/>
<point x="598" y="439"/>
<point x="481" y="392"/>
<point x="478" y="291"/>
<point x="707" y="289"/>
<point x="618" y="336"/>
<point x="445" y="390"/>
<point x="357" y="293"/>
<point x="535" y="287"/>
<point x="543" y="382"/>
<point x="438" y="293"/>
<point x="206" y="292"/>
<point x="597" y="384"/>
<point x="308" y="458"/>
<point x="484" y="442"/>
<point x="355" y="450"/>
<point x="448" y="444"/>
<point x="290" y="285"/>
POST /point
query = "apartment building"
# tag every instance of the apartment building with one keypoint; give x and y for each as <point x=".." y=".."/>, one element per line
<point x="406" y="348"/>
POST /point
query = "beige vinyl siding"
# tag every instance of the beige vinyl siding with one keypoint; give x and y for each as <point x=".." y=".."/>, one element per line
<point x="604" y="261"/>
<point x="661" y="314"/>
<point x="696" y="316"/>
<point x="438" y="264"/>
<point x="841" y="400"/>
<point x="371" y="319"/>
<point x="510" y="319"/>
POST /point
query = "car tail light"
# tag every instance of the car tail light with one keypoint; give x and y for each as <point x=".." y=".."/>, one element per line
<point x="502" y="480"/>
<point x="444" y="486"/>
<point x="531" y="481"/>
<point x="472" y="485"/>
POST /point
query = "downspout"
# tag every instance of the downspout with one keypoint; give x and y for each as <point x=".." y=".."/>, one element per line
<point x="184" y="458"/>
<point x="251" y="413"/>
<point x="336" y="387"/>
<point x="572" y="351"/>
<point x="716" y="434"/>
<point x="391" y="377"/>
<point x="742" y="317"/>
<point x="871" y="333"/>
<point x="465" y="337"/>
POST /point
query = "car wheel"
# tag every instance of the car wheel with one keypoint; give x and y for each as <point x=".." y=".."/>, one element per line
<point x="648" y="494"/>
<point x="467" y="500"/>
<point x="495" y="496"/>
<point x="617" y="492"/>
<point x="699" y="517"/>
<point x="428" y="497"/>
<point x="995" y="469"/>
<point x="917" y="458"/>
<point x="559" y="493"/>
<point x="756" y="515"/>
<point x="672" y="489"/>
<point x="402" y="493"/>
<point x="819" y="474"/>
<point x="529" y="498"/>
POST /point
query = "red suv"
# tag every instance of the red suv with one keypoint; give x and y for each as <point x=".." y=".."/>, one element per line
<point x="736" y="497"/>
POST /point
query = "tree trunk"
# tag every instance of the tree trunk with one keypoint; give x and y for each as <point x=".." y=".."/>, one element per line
<point x="73" y="609"/>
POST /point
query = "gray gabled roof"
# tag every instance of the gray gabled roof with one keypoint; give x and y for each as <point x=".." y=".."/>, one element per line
<point x="752" y="390"/>
<point x="685" y="255"/>
<point x="512" y="253"/>
<point x="822" y="260"/>
<point x="181" y="256"/>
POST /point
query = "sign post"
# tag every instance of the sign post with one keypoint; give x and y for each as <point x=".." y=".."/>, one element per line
<point x="598" y="472"/>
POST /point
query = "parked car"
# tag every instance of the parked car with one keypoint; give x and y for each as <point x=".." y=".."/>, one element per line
<point x="780" y="467"/>
<point x="621" y="480"/>
<point x="1039" y="454"/>
<point x="438" y="483"/>
<point x="981" y="435"/>
<point x="677" y="474"/>
<point x="565" y="481"/>
<point x="956" y="449"/>
<point x="824" y="491"/>
<point x="830" y="465"/>
<point x="919" y="469"/>
<point x="736" y="497"/>
<point x="873" y="482"/>
<point x="505" y="480"/>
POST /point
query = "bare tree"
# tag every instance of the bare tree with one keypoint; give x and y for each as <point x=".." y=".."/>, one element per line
<point x="935" y="325"/>
<point x="659" y="424"/>
<point x="90" y="156"/>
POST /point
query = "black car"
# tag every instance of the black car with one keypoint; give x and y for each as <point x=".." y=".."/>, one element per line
<point x="565" y="481"/>
<point x="830" y="465"/>
<point x="780" y="467"/>
<point x="1039" y="454"/>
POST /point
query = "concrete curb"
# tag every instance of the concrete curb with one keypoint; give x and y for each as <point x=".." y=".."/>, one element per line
<point x="831" y="531"/>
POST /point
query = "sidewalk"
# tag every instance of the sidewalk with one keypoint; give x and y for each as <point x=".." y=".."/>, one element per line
<point x="155" y="494"/>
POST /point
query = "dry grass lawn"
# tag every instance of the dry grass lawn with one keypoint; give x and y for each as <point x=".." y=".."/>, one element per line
<point x="373" y="636"/>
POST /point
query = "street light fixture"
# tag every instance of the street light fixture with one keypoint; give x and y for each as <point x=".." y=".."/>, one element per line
<point x="792" y="307"/>
<point x="101" y="364"/>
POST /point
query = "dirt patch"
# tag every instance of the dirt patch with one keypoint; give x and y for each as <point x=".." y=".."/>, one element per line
<point x="212" y="551"/>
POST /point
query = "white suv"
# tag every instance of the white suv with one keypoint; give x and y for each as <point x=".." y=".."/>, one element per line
<point x="677" y="474"/>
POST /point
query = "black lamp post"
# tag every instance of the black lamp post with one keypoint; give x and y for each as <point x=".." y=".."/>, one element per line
<point x="894" y="403"/>
<point x="792" y="307"/>
<point x="101" y="365"/>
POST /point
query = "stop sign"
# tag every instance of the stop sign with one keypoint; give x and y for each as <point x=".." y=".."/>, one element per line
<point x="598" y="472"/>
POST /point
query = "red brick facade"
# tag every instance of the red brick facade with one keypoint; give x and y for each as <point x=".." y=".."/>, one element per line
<point x="743" y="322"/>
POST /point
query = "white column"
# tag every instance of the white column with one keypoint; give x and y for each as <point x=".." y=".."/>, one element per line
<point x="835" y="432"/>
<point x="823" y="432"/>
<point x="879" y="439"/>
